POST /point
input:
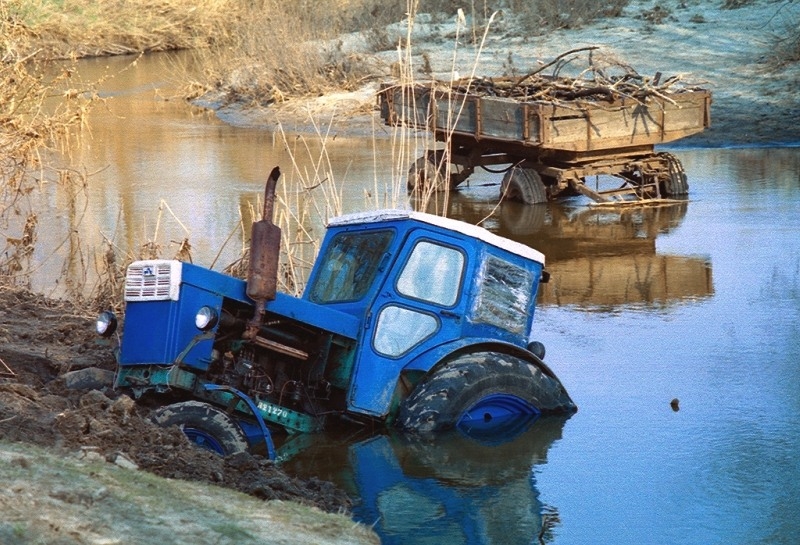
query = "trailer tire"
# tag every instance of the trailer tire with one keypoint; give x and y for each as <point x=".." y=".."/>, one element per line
<point x="675" y="182"/>
<point x="428" y="172"/>
<point x="205" y="425"/>
<point x="524" y="185"/>
<point x="467" y="388"/>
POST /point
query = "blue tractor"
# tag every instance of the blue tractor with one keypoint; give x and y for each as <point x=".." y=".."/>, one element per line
<point x="408" y="320"/>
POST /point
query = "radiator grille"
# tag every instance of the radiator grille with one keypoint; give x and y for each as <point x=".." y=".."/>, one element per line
<point x="156" y="280"/>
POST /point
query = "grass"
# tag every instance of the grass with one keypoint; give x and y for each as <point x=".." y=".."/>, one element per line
<point x="79" y="28"/>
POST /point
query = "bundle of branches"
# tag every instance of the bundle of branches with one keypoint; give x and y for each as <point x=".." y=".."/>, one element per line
<point x="593" y="83"/>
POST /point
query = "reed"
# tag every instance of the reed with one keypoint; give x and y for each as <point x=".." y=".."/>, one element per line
<point x="38" y="108"/>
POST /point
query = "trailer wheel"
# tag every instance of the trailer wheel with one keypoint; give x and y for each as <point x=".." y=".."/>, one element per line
<point x="205" y="425"/>
<point x="524" y="185"/>
<point x="428" y="172"/>
<point x="674" y="183"/>
<point x="484" y="387"/>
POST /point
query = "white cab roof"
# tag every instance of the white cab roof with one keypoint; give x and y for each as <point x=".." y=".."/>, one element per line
<point x="447" y="223"/>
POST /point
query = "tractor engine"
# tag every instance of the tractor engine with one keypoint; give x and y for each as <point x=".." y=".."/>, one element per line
<point x="284" y="363"/>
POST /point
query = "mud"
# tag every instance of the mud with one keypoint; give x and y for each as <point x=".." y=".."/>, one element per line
<point x="42" y="345"/>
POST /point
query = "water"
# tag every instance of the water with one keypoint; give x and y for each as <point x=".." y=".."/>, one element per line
<point x="698" y="302"/>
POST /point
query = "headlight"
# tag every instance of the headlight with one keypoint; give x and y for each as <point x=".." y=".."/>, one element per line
<point x="206" y="318"/>
<point x="106" y="324"/>
<point x="537" y="348"/>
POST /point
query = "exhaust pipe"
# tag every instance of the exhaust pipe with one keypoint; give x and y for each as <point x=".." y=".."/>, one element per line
<point x="265" y="250"/>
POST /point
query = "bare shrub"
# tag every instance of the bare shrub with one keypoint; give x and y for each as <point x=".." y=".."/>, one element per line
<point x="785" y="43"/>
<point x="736" y="4"/>
<point x="540" y="16"/>
<point x="656" y="16"/>
<point x="284" y="49"/>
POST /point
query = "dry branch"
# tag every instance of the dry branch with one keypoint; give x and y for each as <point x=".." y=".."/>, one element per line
<point x="591" y="84"/>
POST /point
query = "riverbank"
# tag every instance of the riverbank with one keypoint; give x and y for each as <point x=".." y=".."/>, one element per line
<point x="83" y="464"/>
<point x="728" y="51"/>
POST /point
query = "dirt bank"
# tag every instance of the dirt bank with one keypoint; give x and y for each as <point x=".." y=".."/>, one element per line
<point x="729" y="51"/>
<point x="42" y="345"/>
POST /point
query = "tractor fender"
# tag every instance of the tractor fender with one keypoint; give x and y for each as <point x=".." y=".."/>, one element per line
<point x="438" y="356"/>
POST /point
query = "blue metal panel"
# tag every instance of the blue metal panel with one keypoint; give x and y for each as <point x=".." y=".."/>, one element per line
<point x="148" y="332"/>
<point x="283" y="305"/>
<point x="216" y="283"/>
<point x="157" y="332"/>
<point x="323" y="317"/>
<point x="375" y="375"/>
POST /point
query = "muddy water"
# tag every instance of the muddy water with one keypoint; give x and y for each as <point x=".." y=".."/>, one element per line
<point x="698" y="302"/>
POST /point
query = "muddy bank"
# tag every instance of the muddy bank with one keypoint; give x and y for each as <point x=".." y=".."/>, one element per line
<point x="45" y="346"/>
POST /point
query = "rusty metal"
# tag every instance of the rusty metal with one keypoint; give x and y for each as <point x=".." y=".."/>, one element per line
<point x="265" y="248"/>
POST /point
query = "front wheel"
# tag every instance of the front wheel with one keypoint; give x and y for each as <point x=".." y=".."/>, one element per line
<point x="482" y="388"/>
<point x="205" y="425"/>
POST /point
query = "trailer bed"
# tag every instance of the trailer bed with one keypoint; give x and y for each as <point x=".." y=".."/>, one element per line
<point x="571" y="126"/>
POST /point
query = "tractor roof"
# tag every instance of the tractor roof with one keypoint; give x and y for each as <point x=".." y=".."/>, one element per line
<point x="380" y="216"/>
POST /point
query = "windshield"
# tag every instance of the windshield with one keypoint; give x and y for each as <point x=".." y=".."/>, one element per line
<point x="349" y="267"/>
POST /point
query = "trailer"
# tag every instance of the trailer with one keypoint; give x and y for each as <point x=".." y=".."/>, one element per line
<point x="553" y="135"/>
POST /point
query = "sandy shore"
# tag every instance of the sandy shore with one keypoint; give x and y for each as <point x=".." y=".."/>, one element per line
<point x="726" y="51"/>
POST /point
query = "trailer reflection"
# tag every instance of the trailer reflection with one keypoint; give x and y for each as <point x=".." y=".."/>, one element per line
<point x="599" y="257"/>
<point x="466" y="487"/>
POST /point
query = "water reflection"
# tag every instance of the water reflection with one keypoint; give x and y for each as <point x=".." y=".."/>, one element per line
<point x="457" y="490"/>
<point x="599" y="257"/>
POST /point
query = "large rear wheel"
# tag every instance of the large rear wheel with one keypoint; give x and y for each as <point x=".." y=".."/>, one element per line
<point x="482" y="388"/>
<point x="205" y="425"/>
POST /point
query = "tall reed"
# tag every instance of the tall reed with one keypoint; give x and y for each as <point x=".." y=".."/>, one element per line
<point x="38" y="108"/>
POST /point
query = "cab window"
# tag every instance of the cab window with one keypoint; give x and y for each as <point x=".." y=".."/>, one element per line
<point x="504" y="295"/>
<point x="432" y="274"/>
<point x="349" y="267"/>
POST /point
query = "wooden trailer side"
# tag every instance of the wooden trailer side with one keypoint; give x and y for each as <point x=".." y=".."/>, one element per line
<point x="625" y="123"/>
<point x="576" y="126"/>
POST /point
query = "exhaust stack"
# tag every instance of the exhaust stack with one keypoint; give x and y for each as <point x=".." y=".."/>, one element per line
<point x="265" y="249"/>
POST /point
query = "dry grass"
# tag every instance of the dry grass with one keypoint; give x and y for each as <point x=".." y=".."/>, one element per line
<point x="80" y="28"/>
<point x="282" y="50"/>
<point x="37" y="110"/>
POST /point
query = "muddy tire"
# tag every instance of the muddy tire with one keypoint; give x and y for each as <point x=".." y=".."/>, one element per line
<point x="90" y="378"/>
<point x="205" y="425"/>
<point x="480" y="386"/>
<point x="674" y="182"/>
<point x="523" y="185"/>
<point x="428" y="173"/>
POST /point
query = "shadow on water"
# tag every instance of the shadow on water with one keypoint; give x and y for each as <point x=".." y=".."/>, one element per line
<point x="458" y="489"/>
